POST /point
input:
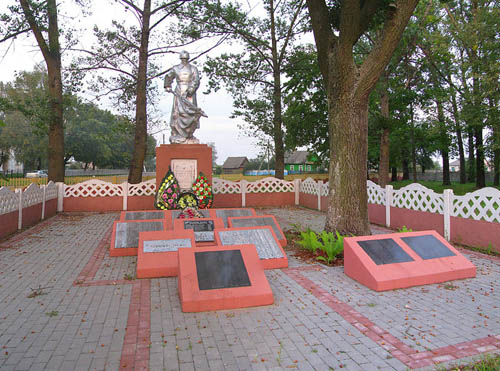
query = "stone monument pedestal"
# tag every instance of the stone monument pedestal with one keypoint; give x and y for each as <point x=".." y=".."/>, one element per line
<point x="186" y="161"/>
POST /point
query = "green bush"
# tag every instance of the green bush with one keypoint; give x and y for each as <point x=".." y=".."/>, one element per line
<point x="331" y="244"/>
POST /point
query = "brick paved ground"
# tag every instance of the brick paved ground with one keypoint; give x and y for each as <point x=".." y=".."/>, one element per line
<point x="92" y="316"/>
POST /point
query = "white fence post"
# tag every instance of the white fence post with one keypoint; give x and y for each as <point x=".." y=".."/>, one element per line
<point x="125" y="195"/>
<point x="320" y="184"/>
<point x="296" y="186"/>
<point x="243" y="193"/>
<point x="44" y="187"/>
<point x="447" y="210"/>
<point x="388" y="202"/>
<point x="60" y="196"/>
<point x="20" y="208"/>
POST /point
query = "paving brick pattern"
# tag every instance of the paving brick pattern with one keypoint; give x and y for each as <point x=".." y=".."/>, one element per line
<point x="93" y="316"/>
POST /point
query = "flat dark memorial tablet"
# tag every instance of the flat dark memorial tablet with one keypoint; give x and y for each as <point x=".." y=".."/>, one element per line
<point x="385" y="251"/>
<point x="203" y="229"/>
<point x="144" y="215"/>
<point x="258" y="221"/>
<point x="225" y="213"/>
<point x="220" y="269"/>
<point x="428" y="247"/>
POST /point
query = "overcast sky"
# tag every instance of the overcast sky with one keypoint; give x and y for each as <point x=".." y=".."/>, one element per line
<point x="23" y="54"/>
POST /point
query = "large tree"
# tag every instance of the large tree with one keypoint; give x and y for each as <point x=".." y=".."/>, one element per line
<point x="40" y="18"/>
<point x="337" y="28"/>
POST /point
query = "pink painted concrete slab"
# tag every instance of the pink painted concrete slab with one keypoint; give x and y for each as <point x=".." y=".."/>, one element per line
<point x="218" y="224"/>
<point x="195" y="300"/>
<point x="232" y="220"/>
<point x="164" y="263"/>
<point x="360" y="266"/>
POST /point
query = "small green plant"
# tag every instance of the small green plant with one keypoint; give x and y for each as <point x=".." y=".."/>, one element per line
<point x="54" y="313"/>
<point x="332" y="246"/>
<point x="371" y="305"/>
<point x="128" y="277"/>
<point x="404" y="229"/>
<point x="309" y="240"/>
<point x="37" y="292"/>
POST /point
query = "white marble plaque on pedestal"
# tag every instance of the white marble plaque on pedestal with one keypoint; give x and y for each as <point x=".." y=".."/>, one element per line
<point x="185" y="171"/>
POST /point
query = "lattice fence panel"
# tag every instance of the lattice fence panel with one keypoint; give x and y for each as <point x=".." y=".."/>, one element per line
<point x="146" y="188"/>
<point x="324" y="189"/>
<point x="269" y="185"/>
<point x="9" y="201"/>
<point x="418" y="197"/>
<point x="93" y="188"/>
<point x="51" y="191"/>
<point x="483" y="204"/>
<point x="221" y="186"/>
<point x="32" y="195"/>
<point x="376" y="194"/>
<point x="309" y="186"/>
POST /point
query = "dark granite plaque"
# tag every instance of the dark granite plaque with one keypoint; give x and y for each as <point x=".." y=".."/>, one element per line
<point x="259" y="221"/>
<point x="127" y="234"/>
<point x="428" y="247"/>
<point x="220" y="269"/>
<point x="203" y="229"/>
<point x="385" y="251"/>
<point x="205" y="213"/>
<point x="144" y="215"/>
<point x="225" y="213"/>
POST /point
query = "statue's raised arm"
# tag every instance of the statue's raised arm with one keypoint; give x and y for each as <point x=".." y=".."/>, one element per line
<point x="185" y="118"/>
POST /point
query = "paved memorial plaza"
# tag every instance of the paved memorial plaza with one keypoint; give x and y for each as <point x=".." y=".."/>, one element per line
<point x="65" y="304"/>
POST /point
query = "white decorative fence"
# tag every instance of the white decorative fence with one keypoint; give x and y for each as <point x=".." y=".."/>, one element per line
<point x="21" y="199"/>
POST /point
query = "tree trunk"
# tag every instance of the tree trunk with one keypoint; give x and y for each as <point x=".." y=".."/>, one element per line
<point x="471" y="168"/>
<point x="443" y="143"/>
<point x="480" y="174"/>
<point x="406" y="167"/>
<point x="460" y="141"/>
<point x="347" y="207"/>
<point x="394" y="174"/>
<point x="141" y="121"/>
<point x="279" y="151"/>
<point x="413" y="150"/>
<point x="52" y="55"/>
<point x="383" y="169"/>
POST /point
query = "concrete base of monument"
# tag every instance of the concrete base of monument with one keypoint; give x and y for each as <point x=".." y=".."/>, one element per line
<point x="125" y="235"/>
<point x="271" y="254"/>
<point x="400" y="260"/>
<point x="238" y="280"/>
<point x="203" y="228"/>
<point x="157" y="255"/>
<point x="258" y="221"/>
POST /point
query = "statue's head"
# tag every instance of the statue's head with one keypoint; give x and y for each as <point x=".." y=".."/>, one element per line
<point x="184" y="55"/>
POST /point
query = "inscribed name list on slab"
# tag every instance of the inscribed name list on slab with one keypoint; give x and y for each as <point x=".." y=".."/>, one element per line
<point x="225" y="213"/>
<point x="144" y="215"/>
<point x="153" y="246"/>
<point x="127" y="234"/>
<point x="428" y="247"/>
<point x="203" y="229"/>
<point x="385" y="251"/>
<point x="263" y="239"/>
<point x="230" y="272"/>
<point x="258" y="222"/>
<point x="185" y="171"/>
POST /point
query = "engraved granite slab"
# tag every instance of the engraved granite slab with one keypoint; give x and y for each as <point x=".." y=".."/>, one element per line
<point x="225" y="213"/>
<point x="258" y="221"/>
<point x="385" y="251"/>
<point x="263" y="239"/>
<point x="185" y="171"/>
<point x="127" y="234"/>
<point x="152" y="246"/>
<point x="205" y="213"/>
<point x="221" y="269"/>
<point x="203" y="229"/>
<point x="428" y="247"/>
<point x="144" y="215"/>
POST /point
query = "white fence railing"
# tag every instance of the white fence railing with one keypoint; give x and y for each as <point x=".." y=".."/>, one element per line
<point x="11" y="201"/>
<point x="483" y="204"/>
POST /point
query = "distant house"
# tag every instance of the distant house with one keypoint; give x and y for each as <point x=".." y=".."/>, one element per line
<point x="300" y="162"/>
<point x="455" y="165"/>
<point x="234" y="165"/>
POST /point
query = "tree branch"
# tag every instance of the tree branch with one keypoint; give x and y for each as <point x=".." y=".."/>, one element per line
<point x="35" y="29"/>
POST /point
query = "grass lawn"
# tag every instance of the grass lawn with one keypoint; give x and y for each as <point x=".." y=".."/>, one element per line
<point x="458" y="189"/>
